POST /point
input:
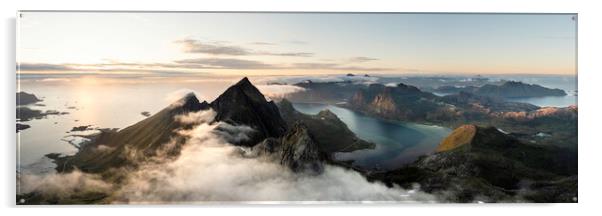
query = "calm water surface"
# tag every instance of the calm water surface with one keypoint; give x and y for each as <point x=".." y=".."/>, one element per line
<point x="396" y="143"/>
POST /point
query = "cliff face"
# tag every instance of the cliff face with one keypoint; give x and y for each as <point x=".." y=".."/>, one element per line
<point x="402" y="102"/>
<point x="300" y="151"/>
<point x="384" y="104"/>
<point x="297" y="150"/>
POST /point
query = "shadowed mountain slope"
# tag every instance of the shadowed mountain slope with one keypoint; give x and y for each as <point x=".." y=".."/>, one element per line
<point x="476" y="163"/>
<point x="144" y="139"/>
<point x="242" y="103"/>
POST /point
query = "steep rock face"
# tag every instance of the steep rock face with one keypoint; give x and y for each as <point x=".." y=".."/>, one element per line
<point x="112" y="148"/>
<point x="297" y="150"/>
<point x="383" y="103"/>
<point x="242" y="103"/>
<point x="484" y="163"/>
<point x="402" y="102"/>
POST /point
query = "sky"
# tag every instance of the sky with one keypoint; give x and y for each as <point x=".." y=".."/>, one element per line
<point x="294" y="43"/>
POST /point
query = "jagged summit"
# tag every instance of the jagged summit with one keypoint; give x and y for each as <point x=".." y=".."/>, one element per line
<point x="244" y="104"/>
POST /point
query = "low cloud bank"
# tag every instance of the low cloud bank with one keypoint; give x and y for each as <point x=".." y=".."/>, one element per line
<point x="209" y="168"/>
<point x="320" y="78"/>
<point x="278" y="90"/>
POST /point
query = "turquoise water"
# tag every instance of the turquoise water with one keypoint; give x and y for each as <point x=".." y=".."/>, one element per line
<point x="396" y="143"/>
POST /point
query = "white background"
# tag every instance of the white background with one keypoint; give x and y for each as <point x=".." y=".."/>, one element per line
<point x="590" y="84"/>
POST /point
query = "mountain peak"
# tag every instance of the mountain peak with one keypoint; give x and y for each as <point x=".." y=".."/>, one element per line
<point x="244" y="104"/>
<point x="244" y="81"/>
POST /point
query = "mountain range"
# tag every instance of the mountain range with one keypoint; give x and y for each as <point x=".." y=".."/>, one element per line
<point x="508" y="89"/>
<point x="473" y="163"/>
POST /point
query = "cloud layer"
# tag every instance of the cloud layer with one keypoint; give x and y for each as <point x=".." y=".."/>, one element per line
<point x="210" y="169"/>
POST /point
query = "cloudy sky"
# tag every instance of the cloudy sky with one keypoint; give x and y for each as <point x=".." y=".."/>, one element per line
<point x="285" y="44"/>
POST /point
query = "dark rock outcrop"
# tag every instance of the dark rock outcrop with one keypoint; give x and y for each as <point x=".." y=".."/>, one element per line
<point x="27" y="114"/>
<point x="24" y="98"/>
<point x="296" y="150"/>
<point x="21" y="127"/>
<point x="299" y="150"/>
<point x="242" y="103"/>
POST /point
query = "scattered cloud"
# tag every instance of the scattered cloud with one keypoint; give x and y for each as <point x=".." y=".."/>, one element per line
<point x="298" y="42"/>
<point x="195" y="46"/>
<point x="223" y="63"/>
<point x="318" y="78"/>
<point x="43" y="67"/>
<point x="263" y="43"/>
<point x="222" y="48"/>
<point x="336" y="66"/>
<point x="278" y="90"/>
<point x="361" y="59"/>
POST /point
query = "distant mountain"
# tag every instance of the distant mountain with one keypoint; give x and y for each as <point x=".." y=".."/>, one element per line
<point x="407" y="103"/>
<point x="24" y="98"/>
<point x="487" y="104"/>
<point x="402" y="102"/>
<point x="481" y="163"/>
<point x="242" y="103"/>
<point x="508" y="89"/>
